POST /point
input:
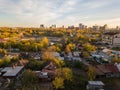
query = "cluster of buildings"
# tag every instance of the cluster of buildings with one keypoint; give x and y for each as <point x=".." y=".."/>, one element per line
<point x="105" y="56"/>
<point x="82" y="27"/>
<point x="112" y="38"/>
<point x="96" y="27"/>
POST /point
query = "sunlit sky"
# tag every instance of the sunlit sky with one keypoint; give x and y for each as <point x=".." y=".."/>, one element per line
<point x="60" y="12"/>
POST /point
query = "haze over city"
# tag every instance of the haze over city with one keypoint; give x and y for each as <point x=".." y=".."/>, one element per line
<point x="60" y="12"/>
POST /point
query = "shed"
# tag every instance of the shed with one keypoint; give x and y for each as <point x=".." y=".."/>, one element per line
<point x="11" y="72"/>
<point x="95" y="85"/>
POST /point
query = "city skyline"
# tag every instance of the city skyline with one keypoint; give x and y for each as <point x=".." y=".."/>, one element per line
<point x="59" y="12"/>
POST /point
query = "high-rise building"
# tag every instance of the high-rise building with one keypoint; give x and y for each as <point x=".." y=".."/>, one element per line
<point x="53" y="26"/>
<point x="96" y="27"/>
<point x="81" y="26"/>
<point x="117" y="28"/>
<point x="105" y="27"/>
<point x="42" y="26"/>
<point x="71" y="27"/>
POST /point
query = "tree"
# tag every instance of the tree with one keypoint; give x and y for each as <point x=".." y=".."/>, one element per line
<point x="1" y="62"/>
<point x="62" y="74"/>
<point x="85" y="54"/>
<point x="28" y="78"/>
<point x="65" y="73"/>
<point x="47" y="55"/>
<point x="91" y="73"/>
<point x="6" y="60"/>
<point x="58" y="83"/>
<point x="89" y="47"/>
<point x="45" y="42"/>
<point x="67" y="49"/>
<point x="71" y="46"/>
<point x="116" y="59"/>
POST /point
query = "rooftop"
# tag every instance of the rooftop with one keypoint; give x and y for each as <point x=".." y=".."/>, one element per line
<point x="96" y="83"/>
<point x="10" y="71"/>
<point x="111" y="33"/>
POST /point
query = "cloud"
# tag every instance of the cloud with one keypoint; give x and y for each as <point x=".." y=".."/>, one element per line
<point x="35" y="12"/>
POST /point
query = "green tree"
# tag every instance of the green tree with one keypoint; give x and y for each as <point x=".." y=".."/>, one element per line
<point x="86" y="54"/>
<point x="28" y="78"/>
<point x="6" y="60"/>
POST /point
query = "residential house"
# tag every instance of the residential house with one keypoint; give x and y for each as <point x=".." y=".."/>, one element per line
<point x="12" y="72"/>
<point x="107" y="70"/>
<point x="95" y="85"/>
<point x="112" y="38"/>
<point x="47" y="73"/>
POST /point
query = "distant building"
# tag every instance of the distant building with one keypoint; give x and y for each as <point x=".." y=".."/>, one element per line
<point x="117" y="28"/>
<point x="81" y="26"/>
<point x="53" y="26"/>
<point x="112" y="38"/>
<point x="42" y="26"/>
<point x="96" y="27"/>
<point x="105" y="27"/>
<point x="71" y="27"/>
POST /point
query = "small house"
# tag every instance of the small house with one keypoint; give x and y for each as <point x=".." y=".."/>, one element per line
<point x="12" y="72"/>
<point x="95" y="85"/>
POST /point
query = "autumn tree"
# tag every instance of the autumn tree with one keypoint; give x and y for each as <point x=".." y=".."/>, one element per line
<point x="85" y="54"/>
<point x="62" y="74"/>
<point x="116" y="59"/>
<point x="71" y="46"/>
<point x="91" y="73"/>
<point x="1" y="62"/>
<point x="65" y="73"/>
<point x="45" y="42"/>
<point x="6" y="60"/>
<point x="58" y="83"/>
<point x="28" y="78"/>
<point x="67" y="49"/>
<point x="89" y="47"/>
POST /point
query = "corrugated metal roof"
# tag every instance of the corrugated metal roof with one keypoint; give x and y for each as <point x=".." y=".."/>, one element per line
<point x="96" y="83"/>
<point x="10" y="71"/>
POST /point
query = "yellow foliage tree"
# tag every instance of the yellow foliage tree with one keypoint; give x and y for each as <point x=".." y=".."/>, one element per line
<point x="116" y="59"/>
<point x="89" y="47"/>
<point x="67" y="49"/>
<point x="58" y="82"/>
<point x="45" y="42"/>
<point x="91" y="73"/>
<point x="65" y="73"/>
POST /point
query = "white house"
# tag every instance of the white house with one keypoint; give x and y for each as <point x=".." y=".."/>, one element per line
<point x="112" y="38"/>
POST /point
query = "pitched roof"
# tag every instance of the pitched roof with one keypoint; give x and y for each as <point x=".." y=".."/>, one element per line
<point x="96" y="83"/>
<point x="98" y="72"/>
<point x="103" y="69"/>
<point x="112" y="68"/>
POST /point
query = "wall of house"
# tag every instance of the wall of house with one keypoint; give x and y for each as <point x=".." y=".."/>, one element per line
<point x="116" y="40"/>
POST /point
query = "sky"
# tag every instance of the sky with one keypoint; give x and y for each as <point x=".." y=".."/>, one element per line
<point x="32" y="13"/>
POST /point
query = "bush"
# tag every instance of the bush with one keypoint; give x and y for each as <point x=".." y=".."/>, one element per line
<point x="36" y="65"/>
